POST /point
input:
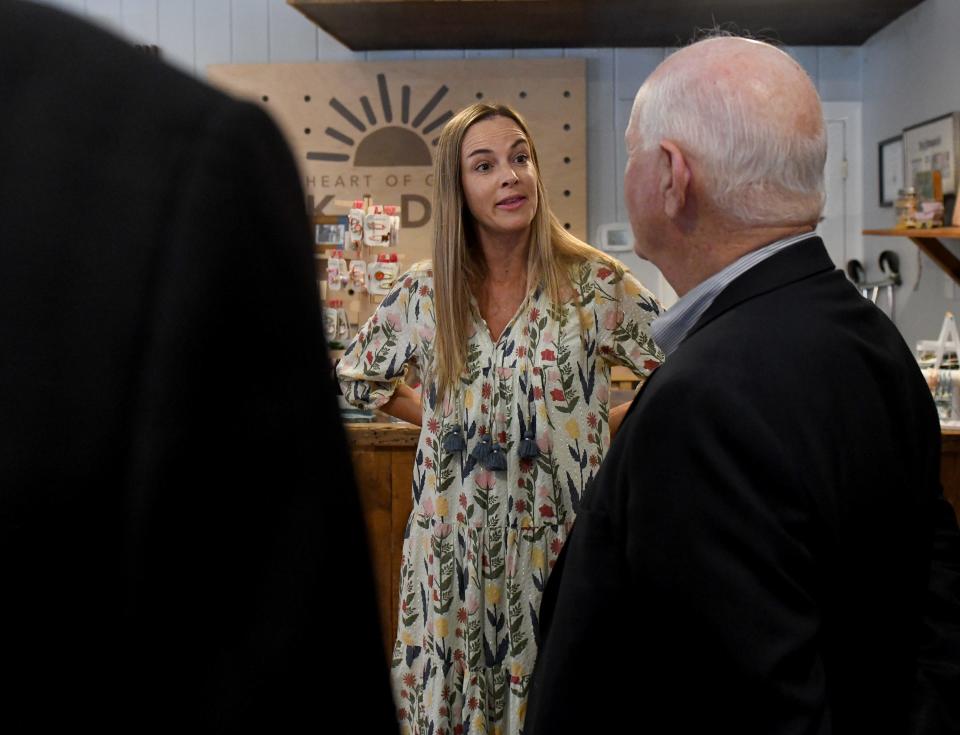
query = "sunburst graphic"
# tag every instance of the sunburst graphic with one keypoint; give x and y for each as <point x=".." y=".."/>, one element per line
<point x="388" y="144"/>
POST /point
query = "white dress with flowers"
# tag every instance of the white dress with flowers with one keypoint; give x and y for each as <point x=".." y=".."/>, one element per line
<point x="480" y="543"/>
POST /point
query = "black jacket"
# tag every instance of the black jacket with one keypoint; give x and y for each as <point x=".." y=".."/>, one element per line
<point x="755" y="555"/>
<point x="181" y="545"/>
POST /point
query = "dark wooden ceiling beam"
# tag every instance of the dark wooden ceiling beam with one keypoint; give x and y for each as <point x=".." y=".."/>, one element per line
<point x="365" y="25"/>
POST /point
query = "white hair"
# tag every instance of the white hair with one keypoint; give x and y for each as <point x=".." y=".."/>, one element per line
<point x="754" y="169"/>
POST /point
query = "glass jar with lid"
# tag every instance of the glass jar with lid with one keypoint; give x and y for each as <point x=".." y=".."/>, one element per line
<point x="906" y="207"/>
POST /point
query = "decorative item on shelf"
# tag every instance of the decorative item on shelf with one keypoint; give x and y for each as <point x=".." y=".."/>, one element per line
<point x="358" y="275"/>
<point x="927" y="349"/>
<point x="337" y="276"/>
<point x="932" y="146"/>
<point x="930" y="215"/>
<point x="336" y="326"/>
<point x="393" y="212"/>
<point x="355" y="224"/>
<point x="891" y="169"/>
<point x="376" y="228"/>
<point x="382" y="274"/>
<point x="367" y="226"/>
<point x="371" y="225"/>
<point x="343" y="324"/>
<point x="905" y="208"/>
<point x="330" y="234"/>
<point x="938" y="362"/>
<point x="929" y="188"/>
<point x="330" y="320"/>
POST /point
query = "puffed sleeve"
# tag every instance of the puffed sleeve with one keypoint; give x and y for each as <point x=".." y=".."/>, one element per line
<point x="624" y="311"/>
<point x="375" y="361"/>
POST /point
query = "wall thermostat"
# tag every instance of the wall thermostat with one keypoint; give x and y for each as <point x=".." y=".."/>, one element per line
<point x="616" y="237"/>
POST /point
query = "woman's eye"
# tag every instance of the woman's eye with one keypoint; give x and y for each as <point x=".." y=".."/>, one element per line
<point x="482" y="167"/>
<point x="522" y="158"/>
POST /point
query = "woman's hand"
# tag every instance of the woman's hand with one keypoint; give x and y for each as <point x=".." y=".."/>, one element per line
<point x="404" y="405"/>
<point x="616" y="417"/>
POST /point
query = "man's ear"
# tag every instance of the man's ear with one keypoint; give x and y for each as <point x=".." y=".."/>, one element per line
<point x="674" y="179"/>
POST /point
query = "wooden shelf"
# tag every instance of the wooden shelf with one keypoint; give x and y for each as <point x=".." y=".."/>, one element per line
<point x="928" y="240"/>
<point x="365" y="25"/>
<point x="949" y="232"/>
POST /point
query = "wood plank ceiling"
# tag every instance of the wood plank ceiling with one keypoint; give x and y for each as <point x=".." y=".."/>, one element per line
<point x="365" y="25"/>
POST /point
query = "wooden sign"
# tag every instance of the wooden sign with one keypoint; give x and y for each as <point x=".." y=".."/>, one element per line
<point x="372" y="127"/>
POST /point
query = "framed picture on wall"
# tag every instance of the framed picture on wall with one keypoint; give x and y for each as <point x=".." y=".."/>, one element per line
<point x="933" y="145"/>
<point x="891" y="169"/>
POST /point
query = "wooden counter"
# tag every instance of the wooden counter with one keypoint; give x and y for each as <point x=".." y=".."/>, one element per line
<point x="383" y="464"/>
<point x="950" y="467"/>
<point x="383" y="457"/>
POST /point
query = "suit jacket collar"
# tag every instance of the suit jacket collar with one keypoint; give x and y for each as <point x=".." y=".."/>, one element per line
<point x="801" y="260"/>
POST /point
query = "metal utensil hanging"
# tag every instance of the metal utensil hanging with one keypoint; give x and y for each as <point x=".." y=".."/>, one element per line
<point x="890" y="267"/>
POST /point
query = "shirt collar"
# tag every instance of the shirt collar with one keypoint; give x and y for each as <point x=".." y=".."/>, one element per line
<point x="670" y="328"/>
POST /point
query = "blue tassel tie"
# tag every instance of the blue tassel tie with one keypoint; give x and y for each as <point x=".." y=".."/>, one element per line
<point x="482" y="450"/>
<point x="454" y="441"/>
<point x="496" y="460"/>
<point x="528" y="449"/>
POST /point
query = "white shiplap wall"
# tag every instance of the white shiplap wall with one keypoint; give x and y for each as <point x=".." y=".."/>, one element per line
<point x="193" y="34"/>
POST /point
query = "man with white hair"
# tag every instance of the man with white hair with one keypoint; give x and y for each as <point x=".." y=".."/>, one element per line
<point x="766" y="548"/>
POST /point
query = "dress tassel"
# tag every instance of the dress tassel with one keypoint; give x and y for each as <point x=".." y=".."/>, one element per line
<point x="496" y="460"/>
<point x="454" y="441"/>
<point x="528" y="449"/>
<point x="482" y="450"/>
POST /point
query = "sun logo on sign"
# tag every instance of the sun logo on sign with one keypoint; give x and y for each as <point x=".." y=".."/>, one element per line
<point x="389" y="144"/>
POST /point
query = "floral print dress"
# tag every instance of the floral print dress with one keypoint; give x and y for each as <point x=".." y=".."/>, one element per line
<point x="480" y="543"/>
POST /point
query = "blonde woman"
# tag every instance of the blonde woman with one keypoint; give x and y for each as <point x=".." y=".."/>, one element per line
<point x="513" y="326"/>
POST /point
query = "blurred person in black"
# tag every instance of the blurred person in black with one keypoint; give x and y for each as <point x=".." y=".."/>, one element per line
<point x="181" y="543"/>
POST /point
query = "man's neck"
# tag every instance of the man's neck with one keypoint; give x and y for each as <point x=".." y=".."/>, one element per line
<point x="699" y="258"/>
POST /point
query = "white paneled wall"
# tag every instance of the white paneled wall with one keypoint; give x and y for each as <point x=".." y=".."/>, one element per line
<point x="909" y="76"/>
<point x="193" y="34"/>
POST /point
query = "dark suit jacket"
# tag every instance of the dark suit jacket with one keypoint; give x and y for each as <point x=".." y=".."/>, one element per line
<point x="754" y="555"/>
<point x="181" y="544"/>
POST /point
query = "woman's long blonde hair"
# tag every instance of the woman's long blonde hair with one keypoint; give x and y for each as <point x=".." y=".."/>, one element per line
<point x="457" y="260"/>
